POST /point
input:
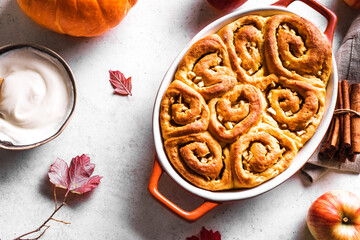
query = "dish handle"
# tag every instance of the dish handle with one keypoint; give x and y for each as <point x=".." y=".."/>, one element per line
<point x="205" y="207"/>
<point x="327" y="13"/>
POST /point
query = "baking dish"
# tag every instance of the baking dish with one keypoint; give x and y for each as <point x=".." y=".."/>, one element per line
<point x="213" y="199"/>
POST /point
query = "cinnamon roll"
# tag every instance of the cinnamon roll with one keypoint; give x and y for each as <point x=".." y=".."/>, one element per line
<point x="261" y="155"/>
<point x="235" y="113"/>
<point x="200" y="159"/>
<point x="297" y="49"/>
<point x="245" y="43"/>
<point x="296" y="106"/>
<point x="182" y="111"/>
<point x="206" y="68"/>
<point x="245" y="100"/>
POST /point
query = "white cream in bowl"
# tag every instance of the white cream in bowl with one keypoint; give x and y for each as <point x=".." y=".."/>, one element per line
<point x="36" y="96"/>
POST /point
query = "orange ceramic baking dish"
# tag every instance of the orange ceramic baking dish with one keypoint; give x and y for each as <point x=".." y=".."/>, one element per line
<point x="211" y="198"/>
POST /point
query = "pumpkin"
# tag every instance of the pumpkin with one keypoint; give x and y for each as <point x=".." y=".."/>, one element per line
<point x="85" y="18"/>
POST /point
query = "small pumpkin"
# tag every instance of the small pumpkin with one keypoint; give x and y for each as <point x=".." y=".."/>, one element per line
<point x="81" y="18"/>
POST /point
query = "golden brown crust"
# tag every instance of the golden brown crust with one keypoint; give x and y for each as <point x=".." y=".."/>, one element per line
<point x="297" y="49"/>
<point x="245" y="42"/>
<point x="261" y="112"/>
<point x="261" y="155"/>
<point x="235" y="113"/>
<point x="297" y="107"/>
<point x="182" y="111"/>
<point x="206" y="68"/>
<point x="200" y="159"/>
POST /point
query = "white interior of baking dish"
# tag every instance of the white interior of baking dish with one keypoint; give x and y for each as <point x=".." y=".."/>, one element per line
<point x="301" y="158"/>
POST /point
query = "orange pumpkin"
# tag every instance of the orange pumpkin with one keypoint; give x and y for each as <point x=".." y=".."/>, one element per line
<point x="77" y="17"/>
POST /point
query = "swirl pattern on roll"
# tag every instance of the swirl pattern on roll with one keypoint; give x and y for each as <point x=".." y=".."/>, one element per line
<point x="245" y="43"/>
<point x="261" y="155"/>
<point x="297" y="49"/>
<point x="235" y="113"/>
<point x="296" y="106"/>
<point x="206" y="68"/>
<point x="182" y="111"/>
<point x="200" y="159"/>
<point x="245" y="100"/>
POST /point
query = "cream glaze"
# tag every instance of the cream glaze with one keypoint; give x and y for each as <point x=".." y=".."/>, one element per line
<point x="36" y="96"/>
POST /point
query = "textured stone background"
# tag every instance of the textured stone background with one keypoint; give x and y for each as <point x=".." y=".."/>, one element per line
<point x="116" y="132"/>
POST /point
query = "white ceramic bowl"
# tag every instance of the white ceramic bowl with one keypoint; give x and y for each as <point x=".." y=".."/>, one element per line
<point x="53" y="56"/>
<point x="301" y="158"/>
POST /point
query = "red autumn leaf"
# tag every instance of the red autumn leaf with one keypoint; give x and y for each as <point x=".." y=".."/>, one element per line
<point x="58" y="174"/>
<point x="80" y="171"/>
<point x="192" y="238"/>
<point x="120" y="83"/>
<point x="206" y="235"/>
<point x="209" y="235"/>
<point x="76" y="178"/>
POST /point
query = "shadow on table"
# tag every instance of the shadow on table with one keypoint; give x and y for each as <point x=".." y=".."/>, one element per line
<point x="9" y="162"/>
<point x="46" y="188"/>
<point x="305" y="233"/>
<point x="150" y="219"/>
<point x="12" y="161"/>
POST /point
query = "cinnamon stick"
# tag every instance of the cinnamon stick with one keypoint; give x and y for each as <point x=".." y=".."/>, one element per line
<point x="355" y="120"/>
<point x="332" y="141"/>
<point x="335" y="140"/>
<point x="341" y="106"/>
<point x="352" y="157"/>
<point x="344" y="131"/>
<point x="342" y="156"/>
<point x="325" y="148"/>
<point x="346" y="101"/>
<point x="345" y="139"/>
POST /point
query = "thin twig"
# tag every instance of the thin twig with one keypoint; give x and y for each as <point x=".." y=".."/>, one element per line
<point x="46" y="228"/>
<point x="61" y="221"/>
<point x="55" y="197"/>
<point x="42" y="225"/>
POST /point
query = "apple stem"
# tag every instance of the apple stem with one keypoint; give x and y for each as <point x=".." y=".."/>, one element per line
<point x="345" y="219"/>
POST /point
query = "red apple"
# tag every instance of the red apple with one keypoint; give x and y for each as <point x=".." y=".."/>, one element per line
<point x="335" y="215"/>
<point x="226" y="5"/>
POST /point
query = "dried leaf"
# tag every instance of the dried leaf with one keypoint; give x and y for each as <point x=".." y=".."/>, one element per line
<point x="89" y="185"/>
<point x="58" y="174"/>
<point x="206" y="235"/>
<point x="209" y="235"/>
<point x="76" y="178"/>
<point x="192" y="238"/>
<point x="120" y="83"/>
